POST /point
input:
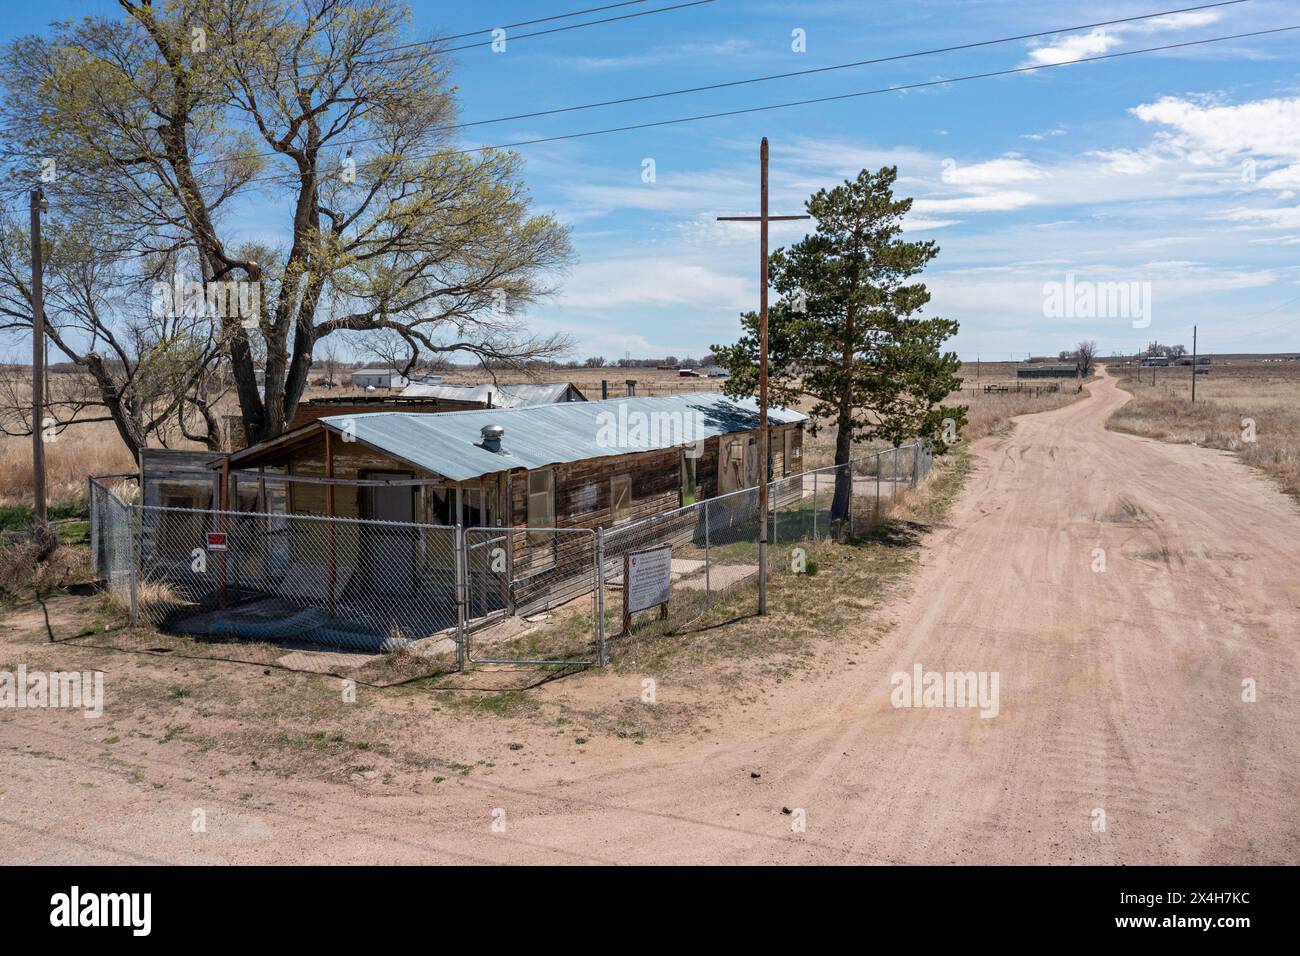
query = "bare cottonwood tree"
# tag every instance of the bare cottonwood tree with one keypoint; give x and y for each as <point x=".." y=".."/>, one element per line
<point x="1085" y="355"/>
<point x="154" y="373"/>
<point x="324" y="117"/>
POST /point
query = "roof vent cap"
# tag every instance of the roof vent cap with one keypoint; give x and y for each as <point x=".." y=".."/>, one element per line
<point x="492" y="435"/>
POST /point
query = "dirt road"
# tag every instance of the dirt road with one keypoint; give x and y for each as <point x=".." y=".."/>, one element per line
<point x="1121" y="734"/>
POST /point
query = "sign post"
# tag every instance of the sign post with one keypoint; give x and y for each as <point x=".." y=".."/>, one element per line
<point x="647" y="583"/>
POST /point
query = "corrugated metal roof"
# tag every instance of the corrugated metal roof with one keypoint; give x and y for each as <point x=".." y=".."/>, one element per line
<point x="502" y="396"/>
<point x="448" y="444"/>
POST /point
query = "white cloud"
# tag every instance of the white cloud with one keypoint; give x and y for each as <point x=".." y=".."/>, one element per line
<point x="1264" y="128"/>
<point x="1073" y="47"/>
<point x="987" y="202"/>
<point x="1287" y="217"/>
<point x="1127" y="162"/>
<point x="1008" y="169"/>
<point x="1176" y="21"/>
<point x="1104" y="39"/>
<point x="653" y="281"/>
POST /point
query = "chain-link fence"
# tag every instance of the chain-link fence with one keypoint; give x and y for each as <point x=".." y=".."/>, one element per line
<point x="709" y="550"/>
<point x="474" y="596"/>
<point x="310" y="581"/>
<point x="266" y="577"/>
<point x="349" y="583"/>
<point x="112" y="537"/>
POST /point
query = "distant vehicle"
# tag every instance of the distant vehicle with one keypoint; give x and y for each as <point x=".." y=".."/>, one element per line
<point x="719" y="373"/>
<point x="1159" y="360"/>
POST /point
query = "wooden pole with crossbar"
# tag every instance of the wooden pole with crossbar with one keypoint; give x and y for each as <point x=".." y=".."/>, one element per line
<point x="762" y="219"/>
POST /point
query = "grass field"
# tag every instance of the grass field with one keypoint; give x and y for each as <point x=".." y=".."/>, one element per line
<point x="1249" y="407"/>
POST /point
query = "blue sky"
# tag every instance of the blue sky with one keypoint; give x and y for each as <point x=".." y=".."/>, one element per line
<point x="1135" y="170"/>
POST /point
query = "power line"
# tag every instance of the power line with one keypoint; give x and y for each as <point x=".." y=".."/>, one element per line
<point x="1011" y="71"/>
<point x="522" y="36"/>
<point x="838" y="66"/>
<point x="774" y="76"/>
<point x="578" y="26"/>
<point x="888" y="89"/>
<point x="521" y="23"/>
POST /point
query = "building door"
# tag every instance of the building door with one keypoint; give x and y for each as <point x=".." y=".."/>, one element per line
<point x="388" y="551"/>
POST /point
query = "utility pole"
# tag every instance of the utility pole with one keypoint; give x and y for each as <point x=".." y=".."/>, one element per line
<point x="1193" y="365"/>
<point x="39" y="205"/>
<point x="762" y="219"/>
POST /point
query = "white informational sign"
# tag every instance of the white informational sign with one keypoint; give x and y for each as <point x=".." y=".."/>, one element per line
<point x="649" y="576"/>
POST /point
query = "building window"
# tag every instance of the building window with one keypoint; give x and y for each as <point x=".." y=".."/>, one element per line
<point x="688" y="478"/>
<point x="183" y="521"/>
<point x="620" y="498"/>
<point x="541" y="503"/>
<point x="731" y="465"/>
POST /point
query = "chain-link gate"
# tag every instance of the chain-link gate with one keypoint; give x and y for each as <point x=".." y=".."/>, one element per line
<point x="535" y="577"/>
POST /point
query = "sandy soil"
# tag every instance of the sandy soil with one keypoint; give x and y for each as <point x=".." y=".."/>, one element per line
<point x="1120" y="691"/>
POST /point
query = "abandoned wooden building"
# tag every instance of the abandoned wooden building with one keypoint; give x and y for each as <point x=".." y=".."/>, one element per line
<point x="574" y="464"/>
<point x="357" y="514"/>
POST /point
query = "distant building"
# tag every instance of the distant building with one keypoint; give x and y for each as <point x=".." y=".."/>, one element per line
<point x="1048" y="370"/>
<point x="434" y="398"/>
<point x="379" y="378"/>
<point x="492" y="395"/>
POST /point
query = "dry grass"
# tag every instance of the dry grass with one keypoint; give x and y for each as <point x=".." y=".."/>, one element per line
<point x="151" y="597"/>
<point x="28" y="566"/>
<point x="1228" y="398"/>
<point x="90" y="449"/>
<point x="992" y="414"/>
<point x="986" y="414"/>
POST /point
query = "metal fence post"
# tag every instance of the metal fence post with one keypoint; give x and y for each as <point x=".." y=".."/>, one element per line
<point x="916" y="463"/>
<point x="135" y="563"/>
<point x="462" y="590"/>
<point x="814" y="508"/>
<point x="849" y="516"/>
<point x="708" y="586"/>
<point x="893" y="485"/>
<point x="775" y="507"/>
<point x="94" y="526"/>
<point x="878" y="454"/>
<point x="602" y="655"/>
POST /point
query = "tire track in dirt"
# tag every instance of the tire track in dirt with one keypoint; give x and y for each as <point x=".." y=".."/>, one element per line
<point x="1120" y="691"/>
